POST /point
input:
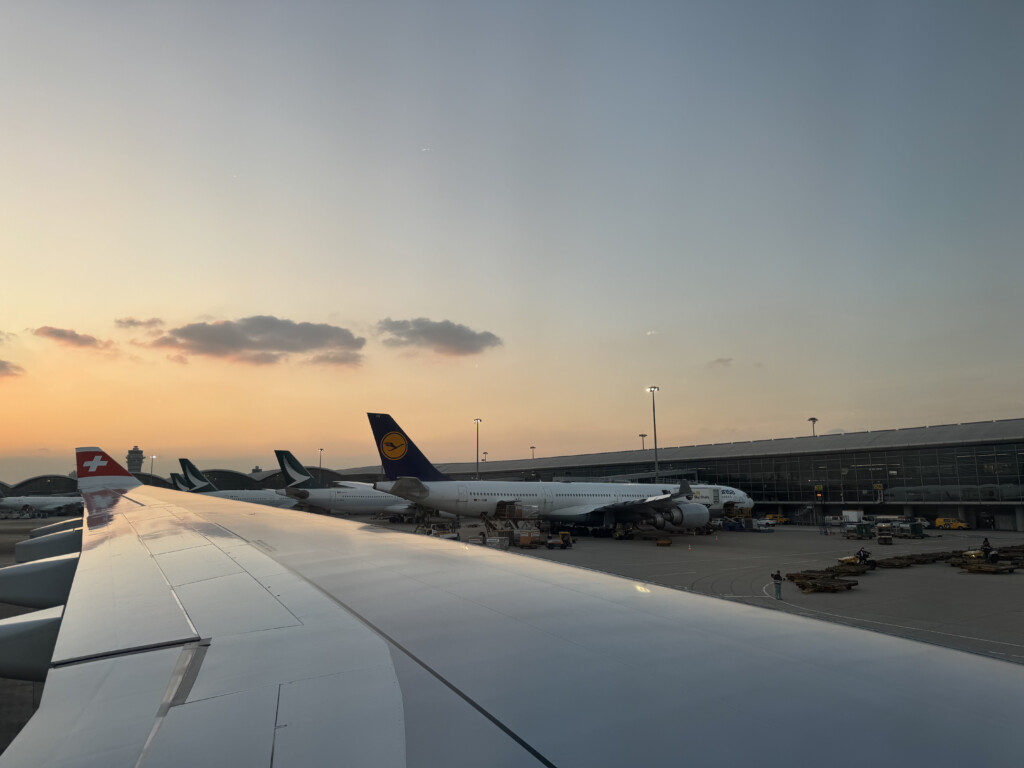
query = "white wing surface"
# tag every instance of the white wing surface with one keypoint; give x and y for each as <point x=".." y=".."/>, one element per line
<point x="201" y="631"/>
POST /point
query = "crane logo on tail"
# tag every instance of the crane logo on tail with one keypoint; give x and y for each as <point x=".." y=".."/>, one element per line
<point x="394" y="445"/>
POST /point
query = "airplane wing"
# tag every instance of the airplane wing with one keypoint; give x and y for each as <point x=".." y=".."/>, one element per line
<point x="410" y="488"/>
<point x="202" y="631"/>
<point x="656" y="507"/>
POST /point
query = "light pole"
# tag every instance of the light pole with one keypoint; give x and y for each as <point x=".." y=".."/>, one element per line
<point x="813" y="420"/>
<point x="477" y="447"/>
<point x="642" y="436"/>
<point x="151" y="458"/>
<point x="532" y="449"/>
<point x="485" y="455"/>
<point x="654" y="419"/>
<point x="321" y="466"/>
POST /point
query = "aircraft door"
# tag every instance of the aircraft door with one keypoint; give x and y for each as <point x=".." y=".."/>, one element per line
<point x="547" y="503"/>
<point x="462" y="503"/>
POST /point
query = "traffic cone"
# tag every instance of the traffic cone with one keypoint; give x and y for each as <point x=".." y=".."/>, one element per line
<point x="689" y="548"/>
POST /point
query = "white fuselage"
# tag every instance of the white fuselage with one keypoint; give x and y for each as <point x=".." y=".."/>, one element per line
<point x="722" y="499"/>
<point x="569" y="502"/>
<point x="353" y="499"/>
<point x="267" y="498"/>
<point x="41" y="503"/>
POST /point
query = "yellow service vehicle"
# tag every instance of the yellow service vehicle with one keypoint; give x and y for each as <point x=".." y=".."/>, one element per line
<point x="951" y="523"/>
<point x="777" y="519"/>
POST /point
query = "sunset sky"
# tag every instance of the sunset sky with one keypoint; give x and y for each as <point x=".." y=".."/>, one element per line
<point x="232" y="227"/>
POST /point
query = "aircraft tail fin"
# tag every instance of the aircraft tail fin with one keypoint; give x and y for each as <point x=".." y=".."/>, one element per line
<point x="295" y="475"/>
<point x="195" y="479"/>
<point x="179" y="482"/>
<point x="398" y="454"/>
<point x="97" y="471"/>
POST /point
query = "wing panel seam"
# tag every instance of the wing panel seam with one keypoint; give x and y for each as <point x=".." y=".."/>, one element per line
<point x="437" y="676"/>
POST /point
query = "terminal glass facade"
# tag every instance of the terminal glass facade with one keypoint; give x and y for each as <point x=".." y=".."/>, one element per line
<point x="932" y="475"/>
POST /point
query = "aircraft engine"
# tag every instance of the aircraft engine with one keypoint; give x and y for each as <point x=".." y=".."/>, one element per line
<point x="298" y="493"/>
<point x="659" y="521"/>
<point x="689" y="516"/>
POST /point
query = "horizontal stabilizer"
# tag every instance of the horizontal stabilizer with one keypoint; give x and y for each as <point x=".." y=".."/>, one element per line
<point x="411" y="488"/>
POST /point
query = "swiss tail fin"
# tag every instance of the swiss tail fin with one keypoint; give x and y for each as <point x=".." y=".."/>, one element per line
<point x="295" y="475"/>
<point x="195" y="479"/>
<point x="97" y="471"/>
<point x="398" y="454"/>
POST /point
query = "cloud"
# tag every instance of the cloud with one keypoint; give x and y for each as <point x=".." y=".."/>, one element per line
<point x="10" y="369"/>
<point x="262" y="340"/>
<point x="132" y="322"/>
<point x="5" y="337"/>
<point x="342" y="357"/>
<point x="444" y="337"/>
<point x="720" y="362"/>
<point x="71" y="338"/>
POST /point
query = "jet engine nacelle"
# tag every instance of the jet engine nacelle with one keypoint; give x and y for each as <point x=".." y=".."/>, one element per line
<point x="688" y="516"/>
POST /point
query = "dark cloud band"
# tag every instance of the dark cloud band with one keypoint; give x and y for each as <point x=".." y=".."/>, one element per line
<point x="71" y="338"/>
<point x="443" y="337"/>
<point x="10" y="369"/>
<point x="262" y="340"/>
<point x="132" y="322"/>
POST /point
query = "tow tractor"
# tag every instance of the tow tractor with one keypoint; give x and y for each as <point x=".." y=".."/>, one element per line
<point x="563" y="541"/>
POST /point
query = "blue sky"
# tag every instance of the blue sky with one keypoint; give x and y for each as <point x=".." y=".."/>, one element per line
<point x="771" y="210"/>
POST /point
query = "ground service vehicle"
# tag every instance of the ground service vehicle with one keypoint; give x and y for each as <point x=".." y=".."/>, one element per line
<point x="563" y="541"/>
<point x="951" y="523"/>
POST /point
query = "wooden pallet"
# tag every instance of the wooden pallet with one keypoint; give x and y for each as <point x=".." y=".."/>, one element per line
<point x="987" y="568"/>
<point x="893" y="562"/>
<point x="824" y="585"/>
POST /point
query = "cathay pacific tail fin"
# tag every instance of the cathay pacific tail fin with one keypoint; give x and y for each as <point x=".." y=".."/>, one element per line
<point x="195" y="479"/>
<point x="295" y="475"/>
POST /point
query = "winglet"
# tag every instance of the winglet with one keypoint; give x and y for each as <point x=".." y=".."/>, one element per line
<point x="97" y="471"/>
<point x="398" y="454"/>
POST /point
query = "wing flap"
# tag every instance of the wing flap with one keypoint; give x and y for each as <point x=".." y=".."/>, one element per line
<point x="99" y="713"/>
<point x="228" y="730"/>
<point x="119" y="600"/>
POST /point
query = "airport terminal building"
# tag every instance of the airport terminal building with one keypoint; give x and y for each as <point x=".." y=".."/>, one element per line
<point x="974" y="472"/>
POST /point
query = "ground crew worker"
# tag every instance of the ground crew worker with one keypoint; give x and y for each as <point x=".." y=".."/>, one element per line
<point x="777" y="578"/>
<point x="986" y="550"/>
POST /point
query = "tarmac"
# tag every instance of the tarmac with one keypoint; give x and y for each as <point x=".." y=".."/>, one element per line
<point x="937" y="603"/>
<point x="18" y="699"/>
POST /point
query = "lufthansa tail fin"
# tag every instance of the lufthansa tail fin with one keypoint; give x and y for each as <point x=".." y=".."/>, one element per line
<point x="196" y="480"/>
<point x="398" y="454"/>
<point x="295" y="475"/>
